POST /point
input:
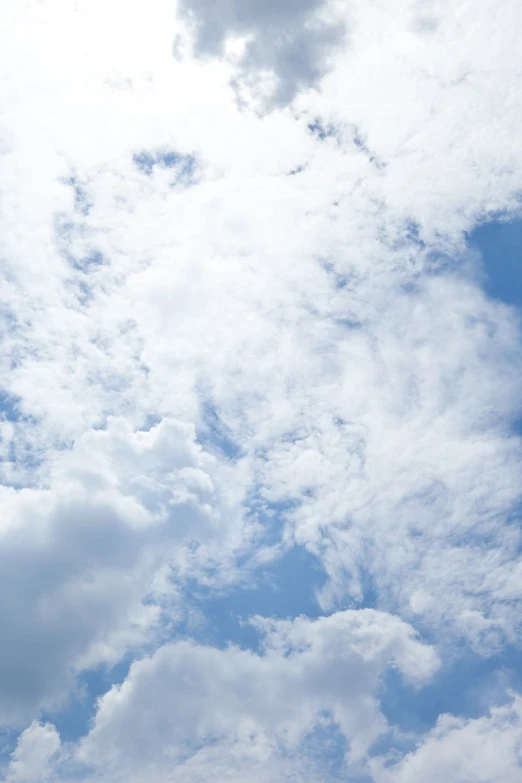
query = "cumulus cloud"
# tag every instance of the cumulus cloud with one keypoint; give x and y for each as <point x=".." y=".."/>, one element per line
<point x="34" y="752"/>
<point x="458" y="750"/>
<point x="79" y="557"/>
<point x="185" y="695"/>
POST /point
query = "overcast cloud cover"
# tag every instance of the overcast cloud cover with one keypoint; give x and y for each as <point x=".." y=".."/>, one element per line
<point x="260" y="396"/>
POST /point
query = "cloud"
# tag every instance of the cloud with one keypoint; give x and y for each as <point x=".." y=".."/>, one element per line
<point x="386" y="476"/>
<point x="459" y="750"/>
<point x="31" y="760"/>
<point x="283" y="46"/>
<point x="443" y="125"/>
<point x="186" y="696"/>
<point x="228" y="334"/>
<point x="79" y="558"/>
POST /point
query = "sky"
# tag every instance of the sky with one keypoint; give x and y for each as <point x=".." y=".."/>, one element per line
<point x="260" y="397"/>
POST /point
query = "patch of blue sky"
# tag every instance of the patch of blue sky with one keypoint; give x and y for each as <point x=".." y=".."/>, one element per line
<point x="285" y="589"/>
<point x="214" y="434"/>
<point x="499" y="243"/>
<point x="8" y="738"/>
<point x="94" y="258"/>
<point x="21" y="452"/>
<point x="498" y="246"/>
<point x="412" y="235"/>
<point x="348" y="323"/>
<point x="9" y="406"/>
<point x="362" y="146"/>
<point x="82" y="202"/>
<point x="466" y="686"/>
<point x="146" y="161"/>
<point x="369" y="596"/>
<point x="83" y="292"/>
<point x="151" y="420"/>
<point x="74" y="719"/>
<point x="322" y="130"/>
<point x="340" y="280"/>
<point x="496" y="260"/>
<point x="329" y="746"/>
<point x="492" y="259"/>
<point x="273" y="519"/>
<point x="67" y="231"/>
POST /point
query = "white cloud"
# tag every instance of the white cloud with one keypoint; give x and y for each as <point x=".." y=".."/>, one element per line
<point x="79" y="557"/>
<point x="464" y="751"/>
<point x="186" y="696"/>
<point x="287" y="285"/>
<point x="389" y="463"/>
<point x="31" y="760"/>
<point x="432" y="89"/>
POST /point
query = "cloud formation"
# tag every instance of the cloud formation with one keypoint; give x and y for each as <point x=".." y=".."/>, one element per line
<point x="173" y="704"/>
<point x="280" y="47"/>
<point x="30" y="761"/>
<point x="477" y="750"/>
<point x="79" y="558"/>
<point x="229" y="335"/>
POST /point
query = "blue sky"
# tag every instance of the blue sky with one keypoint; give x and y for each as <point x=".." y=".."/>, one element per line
<point x="260" y="444"/>
<point x="499" y="243"/>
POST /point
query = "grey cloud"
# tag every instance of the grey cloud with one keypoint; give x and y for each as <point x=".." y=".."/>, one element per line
<point x="37" y="746"/>
<point x="292" y="40"/>
<point x="77" y="558"/>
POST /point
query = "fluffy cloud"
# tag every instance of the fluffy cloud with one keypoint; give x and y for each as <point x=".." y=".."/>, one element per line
<point x="32" y="757"/>
<point x="292" y="290"/>
<point x="79" y="557"/>
<point x="185" y="696"/>
<point x="465" y="751"/>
